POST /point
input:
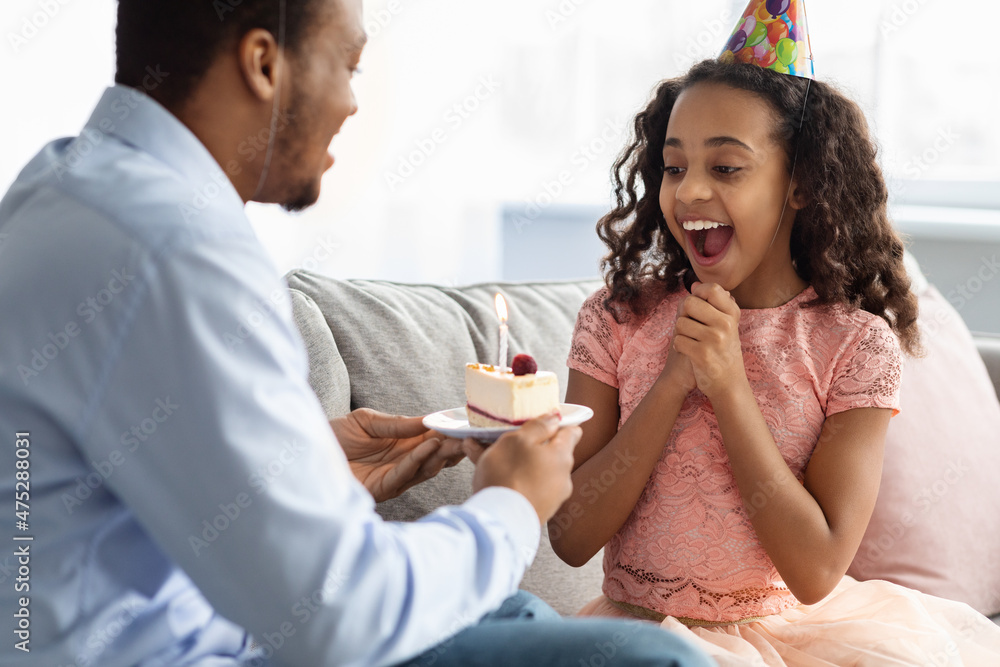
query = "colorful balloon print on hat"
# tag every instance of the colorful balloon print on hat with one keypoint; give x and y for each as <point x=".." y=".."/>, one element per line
<point x="772" y="34"/>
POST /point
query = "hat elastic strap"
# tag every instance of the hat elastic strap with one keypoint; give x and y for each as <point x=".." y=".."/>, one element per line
<point x="795" y="159"/>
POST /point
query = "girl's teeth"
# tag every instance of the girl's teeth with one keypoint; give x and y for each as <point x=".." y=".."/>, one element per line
<point x="698" y="225"/>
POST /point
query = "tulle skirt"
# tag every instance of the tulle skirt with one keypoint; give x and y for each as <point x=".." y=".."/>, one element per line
<point x="860" y="624"/>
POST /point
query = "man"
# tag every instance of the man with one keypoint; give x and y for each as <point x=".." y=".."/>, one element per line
<point x="184" y="501"/>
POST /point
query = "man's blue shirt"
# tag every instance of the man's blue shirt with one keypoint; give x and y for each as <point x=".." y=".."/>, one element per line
<point x="185" y="486"/>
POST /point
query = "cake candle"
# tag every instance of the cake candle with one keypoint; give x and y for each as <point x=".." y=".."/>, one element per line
<point x="501" y="306"/>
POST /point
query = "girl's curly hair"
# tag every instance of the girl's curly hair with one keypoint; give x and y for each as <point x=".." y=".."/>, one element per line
<point x="842" y="244"/>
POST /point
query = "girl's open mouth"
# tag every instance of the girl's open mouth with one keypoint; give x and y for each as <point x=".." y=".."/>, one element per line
<point x="708" y="240"/>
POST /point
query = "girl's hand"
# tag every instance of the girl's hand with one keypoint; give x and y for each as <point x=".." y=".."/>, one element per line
<point x="707" y="333"/>
<point x="678" y="372"/>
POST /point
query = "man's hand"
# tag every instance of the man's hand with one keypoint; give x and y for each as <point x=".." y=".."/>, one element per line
<point x="389" y="454"/>
<point x="535" y="460"/>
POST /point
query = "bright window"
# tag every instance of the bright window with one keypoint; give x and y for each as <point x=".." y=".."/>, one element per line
<point x="466" y="106"/>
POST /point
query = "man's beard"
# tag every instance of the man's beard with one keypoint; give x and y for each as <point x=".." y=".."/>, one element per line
<point x="308" y="194"/>
<point x="300" y="194"/>
<point x="289" y="143"/>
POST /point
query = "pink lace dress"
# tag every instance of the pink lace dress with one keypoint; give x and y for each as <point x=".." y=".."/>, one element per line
<point x="688" y="555"/>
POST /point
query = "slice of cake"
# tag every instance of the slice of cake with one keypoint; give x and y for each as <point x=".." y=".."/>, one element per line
<point x="510" y="396"/>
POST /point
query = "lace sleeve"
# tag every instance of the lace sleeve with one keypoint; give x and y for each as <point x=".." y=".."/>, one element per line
<point x="596" y="345"/>
<point x="868" y="373"/>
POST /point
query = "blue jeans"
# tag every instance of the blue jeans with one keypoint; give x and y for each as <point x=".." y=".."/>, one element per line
<point x="526" y="631"/>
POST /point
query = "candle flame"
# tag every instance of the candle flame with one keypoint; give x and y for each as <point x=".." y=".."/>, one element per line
<point x="501" y="305"/>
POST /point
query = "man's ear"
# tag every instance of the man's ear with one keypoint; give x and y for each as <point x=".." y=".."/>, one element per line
<point x="260" y="61"/>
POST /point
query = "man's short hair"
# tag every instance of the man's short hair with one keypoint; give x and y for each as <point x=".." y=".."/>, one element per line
<point x="183" y="37"/>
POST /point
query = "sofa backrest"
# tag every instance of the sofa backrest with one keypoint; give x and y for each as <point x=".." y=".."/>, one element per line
<point x="989" y="349"/>
<point x="402" y="349"/>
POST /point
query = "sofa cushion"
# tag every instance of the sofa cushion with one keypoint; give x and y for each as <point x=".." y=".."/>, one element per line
<point x="936" y="525"/>
<point x="404" y="348"/>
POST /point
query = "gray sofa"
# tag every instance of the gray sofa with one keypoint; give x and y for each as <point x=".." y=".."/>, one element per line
<point x="402" y="349"/>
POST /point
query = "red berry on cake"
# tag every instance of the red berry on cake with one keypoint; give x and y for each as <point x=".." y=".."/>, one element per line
<point x="524" y="364"/>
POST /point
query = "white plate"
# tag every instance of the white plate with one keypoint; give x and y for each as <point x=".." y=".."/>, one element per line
<point x="454" y="423"/>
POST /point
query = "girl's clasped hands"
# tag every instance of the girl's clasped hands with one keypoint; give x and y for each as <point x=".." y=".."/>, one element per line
<point x="707" y="342"/>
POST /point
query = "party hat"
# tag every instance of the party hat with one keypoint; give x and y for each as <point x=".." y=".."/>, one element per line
<point x="772" y="34"/>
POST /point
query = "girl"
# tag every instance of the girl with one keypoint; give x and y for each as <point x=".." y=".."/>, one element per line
<point x="734" y="458"/>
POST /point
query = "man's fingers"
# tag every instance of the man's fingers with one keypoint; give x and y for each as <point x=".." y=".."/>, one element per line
<point x="448" y="453"/>
<point x="567" y="439"/>
<point x="537" y="431"/>
<point x="472" y="449"/>
<point x="380" y="425"/>
<point x="409" y="471"/>
<point x="414" y="460"/>
<point x="534" y="432"/>
<point x="454" y="459"/>
<point x="401" y="427"/>
<point x="451" y="451"/>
